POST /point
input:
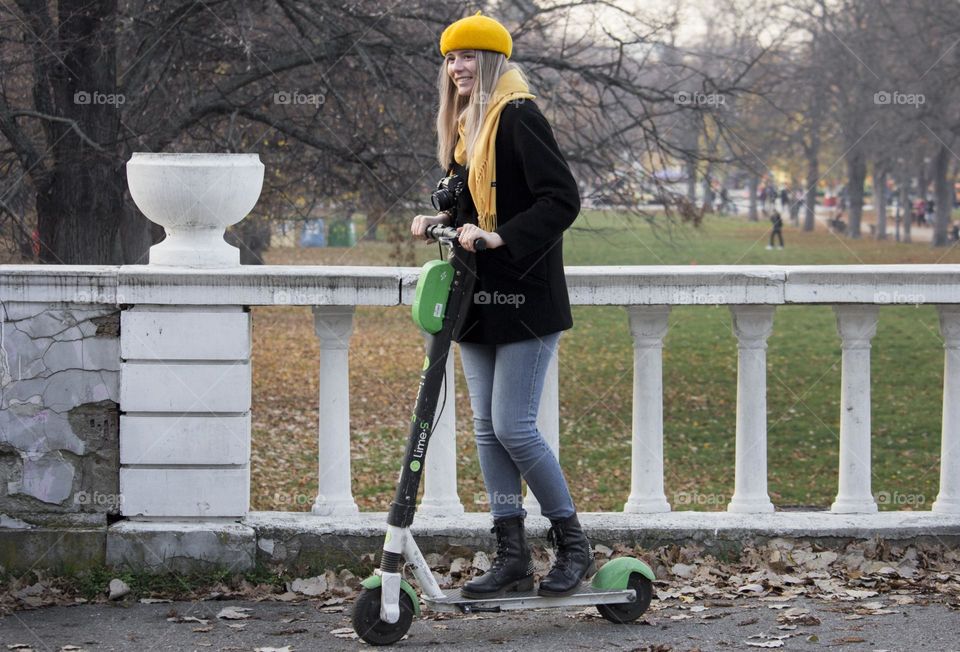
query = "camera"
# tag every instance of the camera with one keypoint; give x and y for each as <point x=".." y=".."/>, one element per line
<point x="444" y="198"/>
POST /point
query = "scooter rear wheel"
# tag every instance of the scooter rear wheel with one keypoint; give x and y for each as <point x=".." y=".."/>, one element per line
<point x="625" y="612"/>
<point x="367" y="623"/>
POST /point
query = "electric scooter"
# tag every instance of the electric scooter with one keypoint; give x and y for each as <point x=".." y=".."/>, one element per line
<point x="621" y="590"/>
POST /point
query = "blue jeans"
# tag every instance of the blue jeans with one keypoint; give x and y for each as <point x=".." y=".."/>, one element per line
<point x="505" y="383"/>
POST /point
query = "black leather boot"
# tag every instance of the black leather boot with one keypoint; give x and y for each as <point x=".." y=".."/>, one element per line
<point x="574" y="558"/>
<point x="512" y="570"/>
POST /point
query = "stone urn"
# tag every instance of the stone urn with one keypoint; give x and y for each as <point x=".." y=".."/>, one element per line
<point x="195" y="197"/>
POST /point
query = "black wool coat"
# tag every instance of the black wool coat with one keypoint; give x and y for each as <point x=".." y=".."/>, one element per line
<point x="520" y="291"/>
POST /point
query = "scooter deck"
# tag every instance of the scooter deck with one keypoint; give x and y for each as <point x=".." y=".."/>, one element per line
<point x="452" y="600"/>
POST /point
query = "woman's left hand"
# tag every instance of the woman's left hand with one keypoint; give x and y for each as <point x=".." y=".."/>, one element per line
<point x="470" y="232"/>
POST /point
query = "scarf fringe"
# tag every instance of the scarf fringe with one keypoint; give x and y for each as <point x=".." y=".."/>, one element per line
<point x="482" y="171"/>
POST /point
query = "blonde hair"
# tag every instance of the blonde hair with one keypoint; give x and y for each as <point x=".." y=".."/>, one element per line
<point x="490" y="67"/>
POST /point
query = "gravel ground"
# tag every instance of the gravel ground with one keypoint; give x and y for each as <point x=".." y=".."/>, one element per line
<point x="800" y="624"/>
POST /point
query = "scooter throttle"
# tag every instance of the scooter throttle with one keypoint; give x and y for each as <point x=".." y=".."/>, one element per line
<point x="437" y="231"/>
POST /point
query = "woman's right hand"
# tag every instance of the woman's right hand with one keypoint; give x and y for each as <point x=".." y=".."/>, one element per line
<point x="420" y="223"/>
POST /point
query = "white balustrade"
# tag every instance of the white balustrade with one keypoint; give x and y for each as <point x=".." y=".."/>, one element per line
<point x="857" y="324"/>
<point x="334" y="326"/>
<point x="752" y="325"/>
<point x="948" y="500"/>
<point x="648" y="326"/>
<point x="440" y="496"/>
<point x="185" y="344"/>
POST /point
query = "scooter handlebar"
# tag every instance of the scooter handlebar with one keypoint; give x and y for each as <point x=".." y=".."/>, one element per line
<point x="438" y="231"/>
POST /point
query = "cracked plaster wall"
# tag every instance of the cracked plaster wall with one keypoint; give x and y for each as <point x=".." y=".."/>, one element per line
<point x="59" y="420"/>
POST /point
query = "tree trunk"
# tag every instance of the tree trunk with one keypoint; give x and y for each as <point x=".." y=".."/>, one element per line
<point x="880" y="200"/>
<point x="691" y="174"/>
<point x="707" y="191"/>
<point x="922" y="180"/>
<point x="137" y="233"/>
<point x="856" y="176"/>
<point x="79" y="202"/>
<point x="813" y="177"/>
<point x="752" y="187"/>
<point x="944" y="196"/>
<point x="905" y="210"/>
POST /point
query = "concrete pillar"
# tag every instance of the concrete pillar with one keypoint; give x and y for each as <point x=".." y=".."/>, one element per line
<point x="185" y="391"/>
<point x="856" y="324"/>
<point x="948" y="500"/>
<point x="548" y="423"/>
<point x="333" y="326"/>
<point x="185" y="385"/>
<point x="752" y="325"/>
<point x="440" y="496"/>
<point x="648" y="325"/>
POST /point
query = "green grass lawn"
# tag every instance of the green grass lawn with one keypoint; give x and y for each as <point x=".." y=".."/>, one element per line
<point x="596" y="362"/>
<point x="700" y="362"/>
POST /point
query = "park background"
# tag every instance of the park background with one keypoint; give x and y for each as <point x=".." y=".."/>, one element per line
<point x="676" y="118"/>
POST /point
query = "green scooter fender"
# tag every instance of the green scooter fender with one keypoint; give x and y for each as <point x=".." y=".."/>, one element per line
<point x="374" y="581"/>
<point x="616" y="573"/>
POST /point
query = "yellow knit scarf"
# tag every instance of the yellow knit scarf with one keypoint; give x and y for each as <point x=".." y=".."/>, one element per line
<point x="482" y="177"/>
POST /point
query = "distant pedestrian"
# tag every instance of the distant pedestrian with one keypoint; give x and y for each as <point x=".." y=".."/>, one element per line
<point x="919" y="210"/>
<point x="777" y="231"/>
<point x="784" y="199"/>
<point x="726" y="206"/>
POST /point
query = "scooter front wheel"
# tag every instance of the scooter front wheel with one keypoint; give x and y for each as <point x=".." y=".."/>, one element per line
<point x="367" y="623"/>
<point x="625" y="612"/>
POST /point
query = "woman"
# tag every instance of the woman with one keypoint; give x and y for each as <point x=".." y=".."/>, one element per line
<point x="519" y="197"/>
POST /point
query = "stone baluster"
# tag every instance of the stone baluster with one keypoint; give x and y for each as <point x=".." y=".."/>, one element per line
<point x="856" y="324"/>
<point x="948" y="500"/>
<point x="334" y="326"/>
<point x="648" y="325"/>
<point x="752" y="325"/>
<point x="440" y="496"/>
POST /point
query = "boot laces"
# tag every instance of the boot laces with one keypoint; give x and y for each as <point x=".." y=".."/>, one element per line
<point x="501" y="557"/>
<point x="555" y="539"/>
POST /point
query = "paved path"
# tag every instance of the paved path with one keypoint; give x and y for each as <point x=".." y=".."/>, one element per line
<point x="719" y="625"/>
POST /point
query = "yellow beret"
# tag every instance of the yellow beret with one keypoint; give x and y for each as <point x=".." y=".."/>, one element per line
<point x="476" y="33"/>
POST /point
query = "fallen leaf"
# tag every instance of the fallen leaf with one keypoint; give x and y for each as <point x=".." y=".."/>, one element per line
<point x="187" y="619"/>
<point x="344" y="632"/>
<point x="750" y="588"/>
<point x="234" y="613"/>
